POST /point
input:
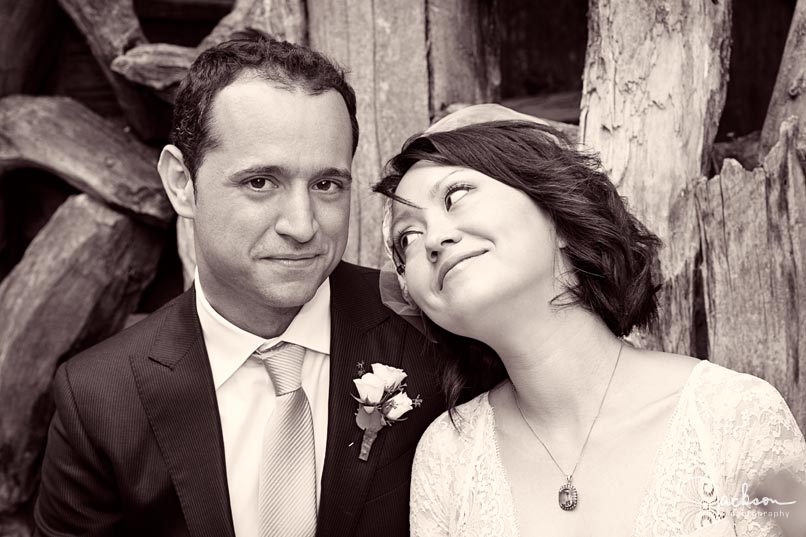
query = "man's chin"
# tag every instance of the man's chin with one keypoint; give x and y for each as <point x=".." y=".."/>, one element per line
<point x="289" y="294"/>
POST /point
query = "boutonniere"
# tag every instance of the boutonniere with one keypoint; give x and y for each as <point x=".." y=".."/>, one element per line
<point x="382" y="401"/>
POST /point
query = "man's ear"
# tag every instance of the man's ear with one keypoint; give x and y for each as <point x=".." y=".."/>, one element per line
<point x="176" y="181"/>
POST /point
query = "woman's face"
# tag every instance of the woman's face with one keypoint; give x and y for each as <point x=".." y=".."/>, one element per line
<point x="475" y="250"/>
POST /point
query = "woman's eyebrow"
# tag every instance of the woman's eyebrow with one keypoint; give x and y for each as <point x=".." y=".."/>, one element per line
<point x="405" y="213"/>
<point x="438" y="185"/>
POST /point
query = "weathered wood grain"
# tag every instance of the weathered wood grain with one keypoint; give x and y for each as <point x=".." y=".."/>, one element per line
<point x="283" y="19"/>
<point x="407" y="62"/>
<point x="78" y="281"/>
<point x="383" y="45"/>
<point x="161" y="66"/>
<point x="743" y="149"/>
<point x="63" y="137"/>
<point x="653" y="90"/>
<point x="156" y="65"/>
<point x="464" y="64"/>
<point x="112" y="28"/>
<point x="26" y="27"/>
<point x="788" y="96"/>
<point x="754" y="244"/>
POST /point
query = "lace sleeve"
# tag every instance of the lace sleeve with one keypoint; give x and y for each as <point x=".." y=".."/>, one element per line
<point x="762" y="439"/>
<point x="431" y="476"/>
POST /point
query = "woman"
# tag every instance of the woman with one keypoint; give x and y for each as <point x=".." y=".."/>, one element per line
<point x="513" y="242"/>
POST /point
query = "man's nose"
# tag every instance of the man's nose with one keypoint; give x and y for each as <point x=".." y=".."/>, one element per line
<point x="296" y="216"/>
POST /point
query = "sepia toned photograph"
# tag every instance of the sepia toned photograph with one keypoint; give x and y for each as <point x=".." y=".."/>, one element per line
<point x="391" y="268"/>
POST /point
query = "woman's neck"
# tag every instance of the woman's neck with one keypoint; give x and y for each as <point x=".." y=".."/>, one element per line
<point x="559" y="364"/>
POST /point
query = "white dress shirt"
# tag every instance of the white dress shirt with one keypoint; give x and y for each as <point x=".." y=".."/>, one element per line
<point x="246" y="395"/>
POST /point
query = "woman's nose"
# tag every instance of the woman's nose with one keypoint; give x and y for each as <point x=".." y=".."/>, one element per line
<point x="437" y="240"/>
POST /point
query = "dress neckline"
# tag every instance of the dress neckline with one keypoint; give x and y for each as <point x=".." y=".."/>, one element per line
<point x="484" y="400"/>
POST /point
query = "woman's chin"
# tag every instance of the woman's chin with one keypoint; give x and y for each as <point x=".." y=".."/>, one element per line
<point x="463" y="320"/>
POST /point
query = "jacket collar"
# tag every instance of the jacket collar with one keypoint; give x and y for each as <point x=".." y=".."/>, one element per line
<point x="176" y="388"/>
<point x="360" y="333"/>
<point x="177" y="391"/>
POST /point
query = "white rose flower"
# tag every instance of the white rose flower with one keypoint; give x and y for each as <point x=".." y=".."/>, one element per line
<point x="370" y="387"/>
<point x="397" y="406"/>
<point x="391" y="376"/>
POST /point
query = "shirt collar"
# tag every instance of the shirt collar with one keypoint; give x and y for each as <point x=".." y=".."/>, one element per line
<point x="229" y="346"/>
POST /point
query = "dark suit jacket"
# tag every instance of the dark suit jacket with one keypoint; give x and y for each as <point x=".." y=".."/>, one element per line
<point x="135" y="446"/>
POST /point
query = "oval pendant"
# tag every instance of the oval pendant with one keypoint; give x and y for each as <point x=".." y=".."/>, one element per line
<point x="568" y="497"/>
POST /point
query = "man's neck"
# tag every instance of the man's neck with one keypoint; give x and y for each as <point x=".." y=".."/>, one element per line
<point x="248" y="315"/>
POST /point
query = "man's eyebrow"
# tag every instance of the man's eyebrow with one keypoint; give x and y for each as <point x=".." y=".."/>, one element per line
<point x="261" y="169"/>
<point x="282" y="171"/>
<point x="333" y="173"/>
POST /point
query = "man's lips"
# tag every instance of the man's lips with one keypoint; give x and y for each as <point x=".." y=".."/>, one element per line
<point x="291" y="259"/>
<point x="451" y="262"/>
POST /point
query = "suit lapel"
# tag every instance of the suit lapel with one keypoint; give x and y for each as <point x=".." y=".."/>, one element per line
<point x="176" y="388"/>
<point x="359" y="334"/>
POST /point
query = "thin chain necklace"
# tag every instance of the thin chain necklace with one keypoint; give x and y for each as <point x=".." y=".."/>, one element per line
<point x="568" y="495"/>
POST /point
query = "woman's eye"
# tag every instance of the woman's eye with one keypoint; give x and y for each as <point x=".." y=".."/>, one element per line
<point x="405" y="239"/>
<point x="454" y="195"/>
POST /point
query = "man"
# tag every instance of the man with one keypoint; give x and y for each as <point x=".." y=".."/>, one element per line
<point x="168" y="427"/>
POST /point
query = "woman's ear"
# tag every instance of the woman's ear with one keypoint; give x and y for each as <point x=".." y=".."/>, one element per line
<point x="176" y="181"/>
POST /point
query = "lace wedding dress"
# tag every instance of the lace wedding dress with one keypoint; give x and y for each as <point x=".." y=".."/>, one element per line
<point x="728" y="429"/>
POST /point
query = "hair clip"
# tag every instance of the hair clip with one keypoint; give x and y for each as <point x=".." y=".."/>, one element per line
<point x="401" y="268"/>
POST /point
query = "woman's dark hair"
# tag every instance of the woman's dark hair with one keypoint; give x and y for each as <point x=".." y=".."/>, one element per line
<point x="613" y="257"/>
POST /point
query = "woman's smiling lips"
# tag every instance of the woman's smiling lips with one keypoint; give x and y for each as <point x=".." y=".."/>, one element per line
<point x="451" y="262"/>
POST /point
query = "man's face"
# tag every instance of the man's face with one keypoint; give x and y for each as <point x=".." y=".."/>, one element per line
<point x="272" y="196"/>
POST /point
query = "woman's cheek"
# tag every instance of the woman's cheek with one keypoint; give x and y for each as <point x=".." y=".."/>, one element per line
<point x="417" y="282"/>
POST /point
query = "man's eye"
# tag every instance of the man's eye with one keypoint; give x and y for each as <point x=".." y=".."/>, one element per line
<point x="327" y="186"/>
<point x="454" y="194"/>
<point x="258" y="183"/>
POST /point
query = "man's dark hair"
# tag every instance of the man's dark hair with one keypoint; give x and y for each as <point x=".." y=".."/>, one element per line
<point x="612" y="255"/>
<point x="284" y="65"/>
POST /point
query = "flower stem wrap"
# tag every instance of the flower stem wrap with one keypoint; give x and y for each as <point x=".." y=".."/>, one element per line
<point x="366" y="444"/>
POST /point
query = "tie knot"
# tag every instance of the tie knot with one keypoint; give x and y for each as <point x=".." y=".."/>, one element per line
<point x="284" y="364"/>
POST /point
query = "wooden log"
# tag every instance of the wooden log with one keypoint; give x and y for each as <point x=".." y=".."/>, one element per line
<point x="562" y="106"/>
<point x="26" y="28"/>
<point x="754" y="236"/>
<point x="112" y="28"/>
<point x="77" y="283"/>
<point x="383" y="45"/>
<point x="283" y="19"/>
<point x="186" y="10"/>
<point x="570" y="131"/>
<point x="156" y="65"/>
<point x="61" y="136"/>
<point x="161" y="66"/>
<point x="653" y="90"/>
<point x="404" y="68"/>
<point x="743" y="149"/>
<point x="789" y="95"/>
<point x="16" y="525"/>
<point x="464" y="64"/>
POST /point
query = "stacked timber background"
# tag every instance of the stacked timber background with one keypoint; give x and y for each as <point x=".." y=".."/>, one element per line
<point x="696" y="109"/>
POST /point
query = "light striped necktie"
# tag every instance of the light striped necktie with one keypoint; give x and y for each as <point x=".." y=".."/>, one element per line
<point x="287" y="486"/>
